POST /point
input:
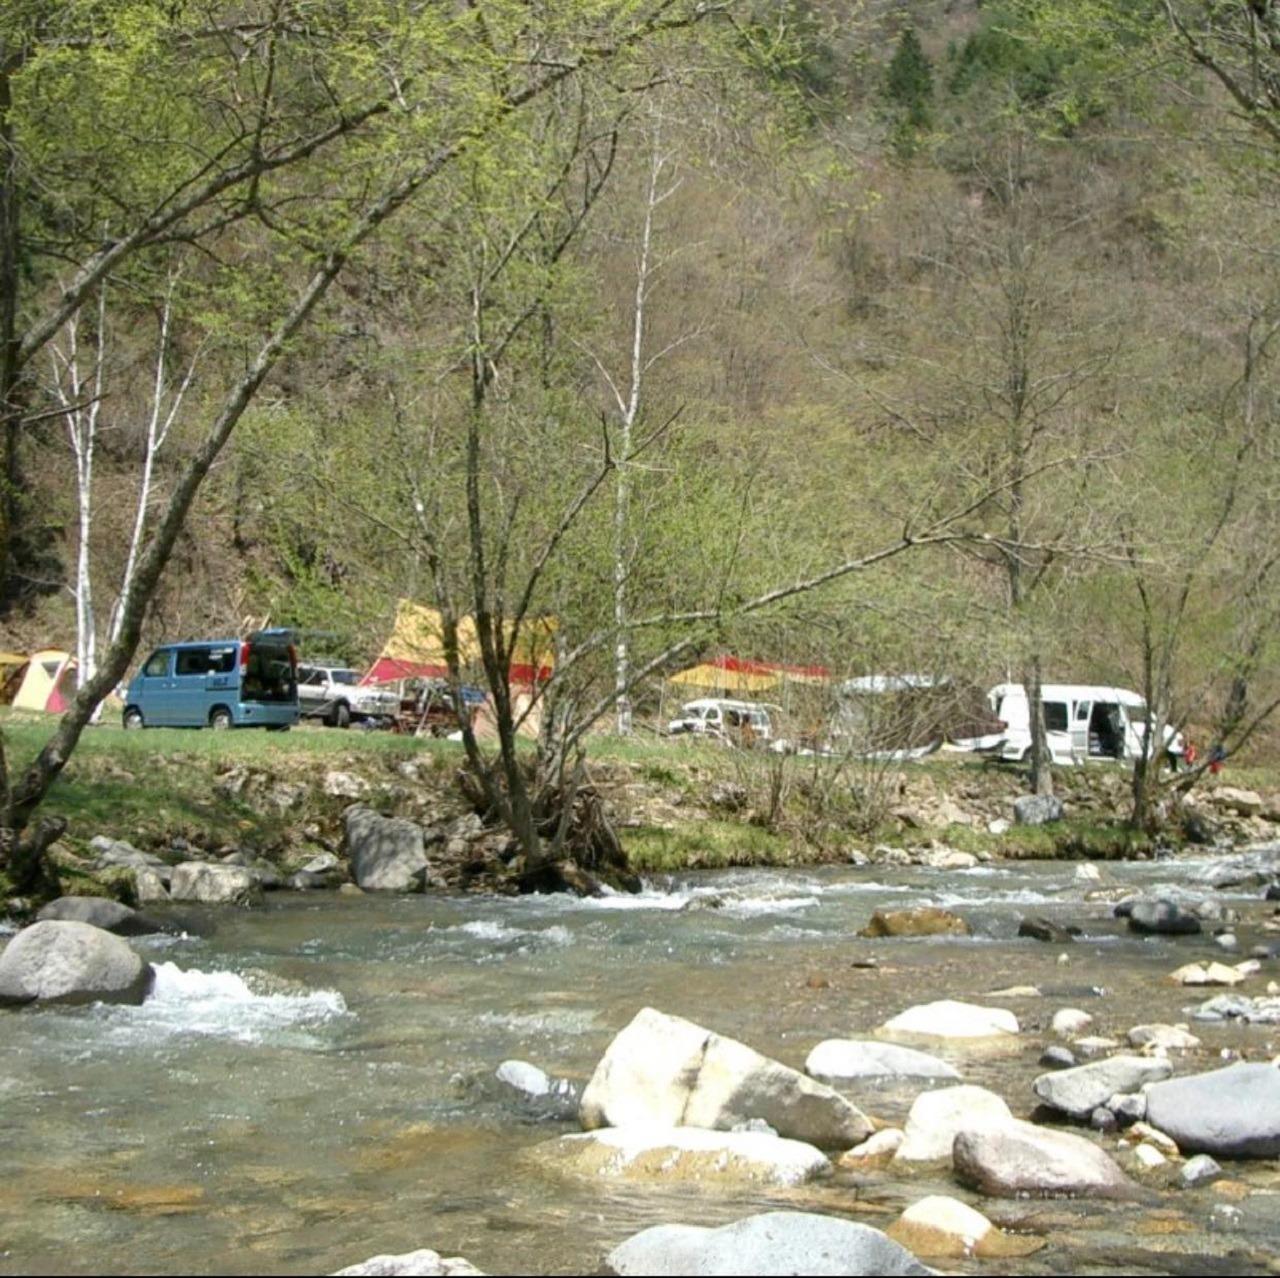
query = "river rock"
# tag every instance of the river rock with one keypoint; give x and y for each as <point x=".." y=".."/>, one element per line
<point x="1018" y="1159"/>
<point x="669" y="1072"/>
<point x="214" y="884"/>
<point x="1206" y="974"/>
<point x="936" y="1117"/>
<point x="546" y="1097"/>
<point x="412" y="1264"/>
<point x="949" y="1020"/>
<point x="343" y="785"/>
<point x="774" y="1243"/>
<point x="1229" y="1113"/>
<point x="1068" y="1022"/>
<point x="673" y="1154"/>
<point x="1229" y="1007"/>
<point x="1037" y="809"/>
<point x="875" y="1152"/>
<point x="60" y="961"/>
<point x="149" y="886"/>
<point x="842" y="1060"/>
<point x="1242" y="802"/>
<point x="1057" y="1057"/>
<point x="925" y="920"/>
<point x="1148" y="1157"/>
<point x="1079" y="1091"/>
<point x="97" y="911"/>
<point x="1163" y="918"/>
<point x="118" y="852"/>
<point x="1038" y="928"/>
<point x="942" y="1226"/>
<point x="1197" y="1171"/>
<point x="1169" y="1038"/>
<point x="387" y="853"/>
<point x="951" y="858"/>
<point x="1128" y="1107"/>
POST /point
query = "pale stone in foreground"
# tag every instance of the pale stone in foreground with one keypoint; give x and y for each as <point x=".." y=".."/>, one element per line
<point x="66" y="962"/>
<point x="949" y="1019"/>
<point x="412" y="1264"/>
<point x="936" y="1117"/>
<point x="940" y="1226"/>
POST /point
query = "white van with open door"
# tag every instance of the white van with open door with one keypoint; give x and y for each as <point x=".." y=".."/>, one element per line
<point x="1082" y="722"/>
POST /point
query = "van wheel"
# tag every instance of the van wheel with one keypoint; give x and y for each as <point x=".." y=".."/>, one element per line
<point x="220" y="718"/>
<point x="133" y="718"/>
<point x="342" y="715"/>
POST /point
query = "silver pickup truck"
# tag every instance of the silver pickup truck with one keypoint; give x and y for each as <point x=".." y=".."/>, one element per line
<point x="334" y="694"/>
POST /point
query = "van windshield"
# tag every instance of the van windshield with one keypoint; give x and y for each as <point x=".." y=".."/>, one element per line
<point x="348" y="677"/>
<point x="269" y="675"/>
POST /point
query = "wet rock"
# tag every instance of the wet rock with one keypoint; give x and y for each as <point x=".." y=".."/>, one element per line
<point x="941" y="1226"/>
<point x="97" y="911"/>
<point x="875" y="1152"/>
<point x="59" y="961"/>
<point x="1068" y="1022"/>
<point x="1103" y="1120"/>
<point x="1042" y="929"/>
<point x="1087" y="873"/>
<point x="926" y="920"/>
<point x="1148" y="1157"/>
<point x="1229" y="1007"/>
<point x="214" y="884"/>
<point x="1018" y="1159"/>
<point x="1155" y="1137"/>
<point x="149" y="886"/>
<point x="1057" y="1057"/>
<point x="412" y="1264"/>
<point x="1197" y="828"/>
<point x="1170" y="1038"/>
<point x="951" y="1020"/>
<point x="1272" y="893"/>
<point x="1078" y="1092"/>
<point x="1197" y="1171"/>
<point x="1037" y="809"/>
<point x="840" y="1060"/>
<point x="670" y="1072"/>
<point x="546" y="1097"/>
<point x="950" y="859"/>
<point x="1163" y="918"/>
<point x="675" y="1154"/>
<point x="1128" y="1107"/>
<point x="779" y="1242"/>
<point x="936" y="1117"/>
<point x="1229" y="1113"/>
<point x="1226" y="941"/>
<point x="1206" y="974"/>
<point x="386" y="853"/>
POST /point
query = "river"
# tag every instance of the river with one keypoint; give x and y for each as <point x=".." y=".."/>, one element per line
<point x="312" y="1081"/>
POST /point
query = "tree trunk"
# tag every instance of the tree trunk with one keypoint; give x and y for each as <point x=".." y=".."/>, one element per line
<point x="1041" y="772"/>
<point x="12" y="399"/>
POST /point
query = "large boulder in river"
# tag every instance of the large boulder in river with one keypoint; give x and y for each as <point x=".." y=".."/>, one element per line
<point x="424" y="1263"/>
<point x="387" y="853"/>
<point x="924" y="920"/>
<point x="668" y="1072"/>
<point x="937" y="1117"/>
<point x="1229" y="1113"/>
<point x="950" y="1021"/>
<point x="672" y="1154"/>
<point x="777" y="1242"/>
<point x="1078" y="1092"/>
<point x="1017" y="1159"/>
<point x="845" y="1060"/>
<point x="65" y="962"/>
<point x="214" y="884"/>
<point x="1162" y="918"/>
<point x="98" y="911"/>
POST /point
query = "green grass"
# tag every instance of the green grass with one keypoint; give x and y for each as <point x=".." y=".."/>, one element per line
<point x="705" y="845"/>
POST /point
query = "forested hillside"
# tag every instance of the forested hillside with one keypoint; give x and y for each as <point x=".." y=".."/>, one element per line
<point x="732" y="297"/>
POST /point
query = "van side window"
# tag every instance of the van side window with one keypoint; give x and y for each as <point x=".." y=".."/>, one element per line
<point x="192" y="661"/>
<point x="222" y="660"/>
<point x="157" y="664"/>
<point x="1055" y="716"/>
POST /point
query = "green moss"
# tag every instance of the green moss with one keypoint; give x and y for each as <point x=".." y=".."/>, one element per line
<point x="706" y="845"/>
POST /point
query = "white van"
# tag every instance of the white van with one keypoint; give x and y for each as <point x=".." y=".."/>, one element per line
<point x="742" y="722"/>
<point x="1082" y="722"/>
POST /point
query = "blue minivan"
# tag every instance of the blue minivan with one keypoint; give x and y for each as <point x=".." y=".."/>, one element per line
<point x="217" y="683"/>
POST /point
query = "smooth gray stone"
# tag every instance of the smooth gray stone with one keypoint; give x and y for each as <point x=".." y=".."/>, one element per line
<point x="1229" y="1113"/>
<point x="775" y="1243"/>
<point x="839" y="1060"/>
<point x="65" y="962"/>
<point x="1019" y="1159"/>
<point x="387" y="853"/>
<point x="1079" y="1091"/>
<point x="97" y="911"/>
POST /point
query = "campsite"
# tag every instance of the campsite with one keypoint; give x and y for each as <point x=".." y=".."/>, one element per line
<point x="640" y="637"/>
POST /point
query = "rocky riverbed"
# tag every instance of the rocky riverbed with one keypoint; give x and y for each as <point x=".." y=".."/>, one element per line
<point x="330" y="1078"/>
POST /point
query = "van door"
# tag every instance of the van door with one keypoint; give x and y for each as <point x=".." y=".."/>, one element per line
<point x="1080" y="729"/>
<point x="189" y="704"/>
<point x="1057" y="730"/>
<point x="152" y="689"/>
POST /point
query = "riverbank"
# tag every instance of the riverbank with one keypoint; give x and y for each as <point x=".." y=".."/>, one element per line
<point x="277" y="800"/>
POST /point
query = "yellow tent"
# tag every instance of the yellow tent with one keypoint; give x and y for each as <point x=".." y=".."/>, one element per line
<point x="737" y="674"/>
<point x="415" y="647"/>
<point x="49" y="682"/>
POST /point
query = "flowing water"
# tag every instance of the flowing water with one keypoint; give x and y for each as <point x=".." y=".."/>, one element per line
<point x="312" y="1082"/>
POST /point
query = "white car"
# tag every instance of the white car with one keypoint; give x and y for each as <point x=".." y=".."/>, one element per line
<point x="742" y="722"/>
<point x="334" y="694"/>
<point x="1082" y="722"/>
